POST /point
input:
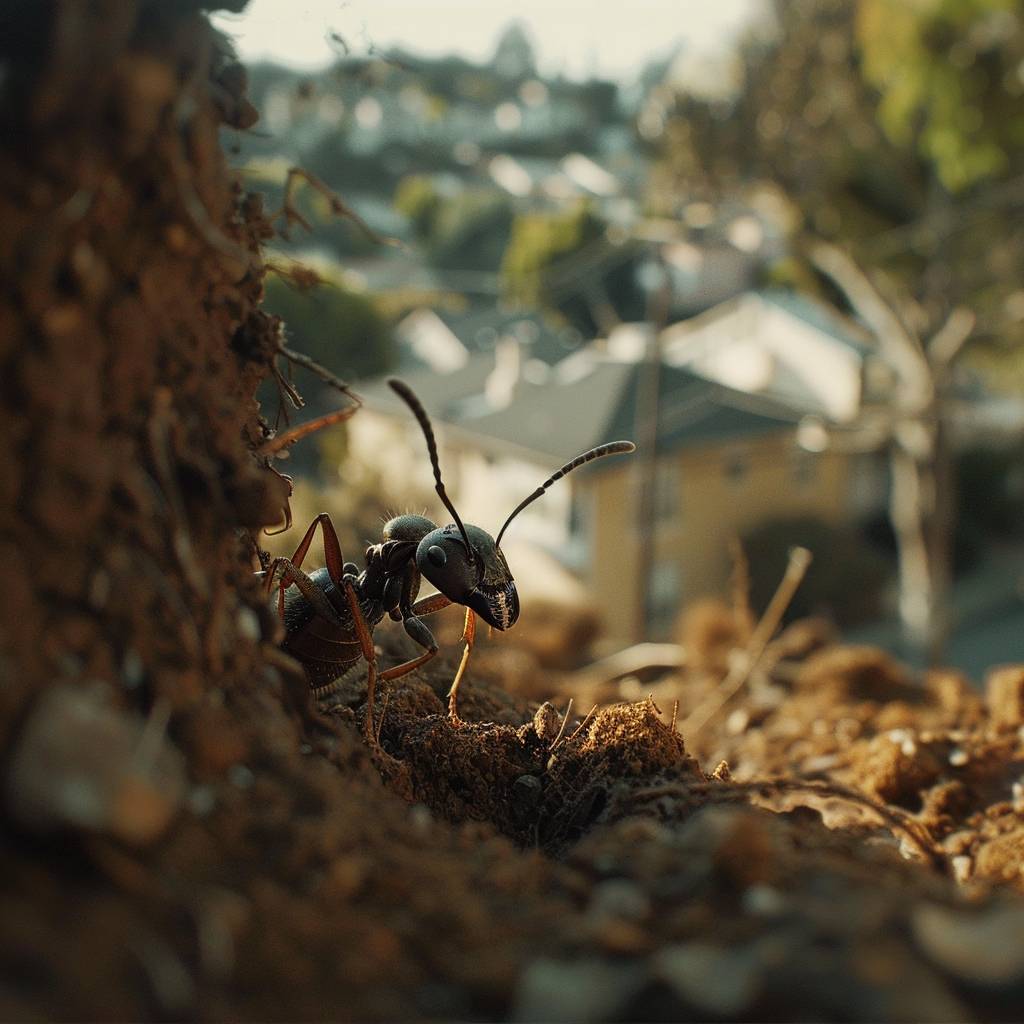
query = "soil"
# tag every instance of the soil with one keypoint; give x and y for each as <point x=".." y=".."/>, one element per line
<point x="186" y="836"/>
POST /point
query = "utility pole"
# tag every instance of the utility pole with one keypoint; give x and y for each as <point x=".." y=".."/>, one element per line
<point x="653" y="279"/>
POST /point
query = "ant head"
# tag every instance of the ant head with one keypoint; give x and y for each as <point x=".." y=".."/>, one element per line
<point x="464" y="562"/>
<point x="482" y="582"/>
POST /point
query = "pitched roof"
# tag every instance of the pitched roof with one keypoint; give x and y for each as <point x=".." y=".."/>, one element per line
<point x="585" y="401"/>
<point x="480" y="327"/>
<point x="819" y="315"/>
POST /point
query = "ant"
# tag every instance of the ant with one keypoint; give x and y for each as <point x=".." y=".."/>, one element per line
<point x="329" y="615"/>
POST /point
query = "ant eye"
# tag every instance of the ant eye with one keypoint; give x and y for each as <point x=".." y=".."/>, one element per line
<point x="436" y="556"/>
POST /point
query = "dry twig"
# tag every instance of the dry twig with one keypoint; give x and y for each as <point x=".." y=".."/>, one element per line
<point x="799" y="560"/>
<point x="291" y="215"/>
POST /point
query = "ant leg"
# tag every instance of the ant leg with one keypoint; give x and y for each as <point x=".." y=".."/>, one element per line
<point x="332" y="547"/>
<point x="287" y="481"/>
<point x="407" y="666"/>
<point x="332" y="555"/>
<point x="468" y="636"/>
<point x="431" y="604"/>
<point x="292" y="574"/>
<point x="369" y="654"/>
<point x="275" y="444"/>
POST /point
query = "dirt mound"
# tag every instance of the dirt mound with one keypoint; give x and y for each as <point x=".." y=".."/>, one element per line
<point x="186" y="836"/>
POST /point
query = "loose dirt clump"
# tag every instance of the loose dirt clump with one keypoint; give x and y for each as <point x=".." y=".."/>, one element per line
<point x="186" y="836"/>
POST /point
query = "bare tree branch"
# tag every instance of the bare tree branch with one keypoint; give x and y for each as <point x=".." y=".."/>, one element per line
<point x="896" y="344"/>
<point x="948" y="341"/>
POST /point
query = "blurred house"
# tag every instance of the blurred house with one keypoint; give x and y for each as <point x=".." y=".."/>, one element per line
<point x="443" y="340"/>
<point x="726" y="461"/>
<point x="779" y="344"/>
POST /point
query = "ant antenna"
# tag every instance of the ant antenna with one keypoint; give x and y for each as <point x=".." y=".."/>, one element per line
<point x="612" y="448"/>
<point x="404" y="392"/>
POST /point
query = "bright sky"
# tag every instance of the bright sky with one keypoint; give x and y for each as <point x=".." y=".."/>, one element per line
<point x="578" y="37"/>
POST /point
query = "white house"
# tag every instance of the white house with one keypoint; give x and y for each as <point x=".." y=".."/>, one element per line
<point x="779" y="344"/>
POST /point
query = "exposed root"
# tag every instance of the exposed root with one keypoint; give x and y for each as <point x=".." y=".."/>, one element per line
<point x="900" y="823"/>
<point x="291" y="215"/>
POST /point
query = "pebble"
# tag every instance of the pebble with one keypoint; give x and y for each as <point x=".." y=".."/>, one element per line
<point x="81" y="762"/>
<point x="985" y="947"/>
<point x="620" y="899"/>
<point x="764" y="901"/>
<point x="576" y="990"/>
<point x="958" y="757"/>
<point x="248" y="624"/>
<point x="546" y="722"/>
<point x="963" y="868"/>
<point x="1017" y="791"/>
<point x="737" y="722"/>
<point x="202" y="800"/>
<point x="723" y="982"/>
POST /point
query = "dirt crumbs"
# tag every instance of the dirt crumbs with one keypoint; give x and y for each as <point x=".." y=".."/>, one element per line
<point x="184" y="836"/>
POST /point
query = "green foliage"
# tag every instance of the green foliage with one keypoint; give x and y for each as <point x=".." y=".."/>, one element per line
<point x="471" y="230"/>
<point x="341" y="329"/>
<point x="417" y="199"/>
<point x="948" y="72"/>
<point x="893" y="127"/>
<point x="468" y="230"/>
<point x="540" y="240"/>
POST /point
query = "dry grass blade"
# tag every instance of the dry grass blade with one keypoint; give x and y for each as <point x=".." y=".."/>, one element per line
<point x="799" y="560"/>
<point x="579" y="728"/>
<point x="561" y="730"/>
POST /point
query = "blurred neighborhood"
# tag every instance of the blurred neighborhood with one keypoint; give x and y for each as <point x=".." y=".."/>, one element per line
<point x="515" y="259"/>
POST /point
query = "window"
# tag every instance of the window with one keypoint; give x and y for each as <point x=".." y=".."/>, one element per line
<point x="664" y="590"/>
<point x="736" y="466"/>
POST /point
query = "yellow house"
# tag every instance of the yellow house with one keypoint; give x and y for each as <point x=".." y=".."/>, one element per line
<point x="704" y="497"/>
<point x="724" y="462"/>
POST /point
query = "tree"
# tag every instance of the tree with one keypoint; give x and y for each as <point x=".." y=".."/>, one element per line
<point x="893" y="128"/>
<point x="913" y="427"/>
<point x="892" y="131"/>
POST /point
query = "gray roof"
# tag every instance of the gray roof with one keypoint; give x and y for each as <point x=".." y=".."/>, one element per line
<point x="479" y="328"/>
<point x="586" y="401"/>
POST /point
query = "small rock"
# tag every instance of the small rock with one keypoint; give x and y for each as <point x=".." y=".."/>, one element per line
<point x="737" y="722"/>
<point x="248" y="624"/>
<point x="984" y="947"/>
<point x="547" y="722"/>
<point x="963" y="867"/>
<point x="764" y="901"/>
<point x="714" y="980"/>
<point x="580" y="990"/>
<point x="81" y="762"/>
<point x="620" y="899"/>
